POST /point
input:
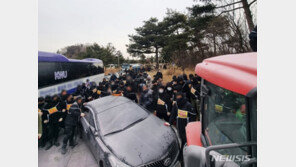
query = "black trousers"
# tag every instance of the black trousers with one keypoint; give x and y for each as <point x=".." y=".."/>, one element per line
<point x="45" y="134"/>
<point x="54" y="130"/>
<point x="78" y="131"/>
<point x="181" y="124"/>
<point x="69" y="135"/>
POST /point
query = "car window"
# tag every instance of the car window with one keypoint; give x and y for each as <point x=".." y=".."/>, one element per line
<point x="226" y="120"/>
<point x="89" y="118"/>
<point x="120" y="117"/>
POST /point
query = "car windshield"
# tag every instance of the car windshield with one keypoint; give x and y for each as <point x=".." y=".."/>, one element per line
<point x="120" y="117"/>
<point x="226" y="120"/>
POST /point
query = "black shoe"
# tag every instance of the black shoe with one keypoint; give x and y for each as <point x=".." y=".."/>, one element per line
<point x="48" y="147"/>
<point x="64" y="150"/>
<point x="56" y="144"/>
<point x="73" y="144"/>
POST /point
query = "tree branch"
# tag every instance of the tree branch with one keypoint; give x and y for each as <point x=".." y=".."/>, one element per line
<point x="228" y="4"/>
<point x="252" y="2"/>
<point x="226" y="11"/>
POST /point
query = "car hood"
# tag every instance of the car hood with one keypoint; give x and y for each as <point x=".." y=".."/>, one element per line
<point x="145" y="142"/>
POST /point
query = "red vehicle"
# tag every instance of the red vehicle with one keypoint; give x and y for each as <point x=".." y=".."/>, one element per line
<point x="227" y="132"/>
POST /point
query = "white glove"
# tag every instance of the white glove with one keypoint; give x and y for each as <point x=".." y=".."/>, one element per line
<point x="167" y="124"/>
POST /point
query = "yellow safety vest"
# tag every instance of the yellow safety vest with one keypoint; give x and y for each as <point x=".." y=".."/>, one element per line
<point x="182" y="113"/>
<point x="99" y="92"/>
<point x="52" y="110"/>
<point x="116" y="94"/>
<point x="160" y="102"/>
<point x="68" y="106"/>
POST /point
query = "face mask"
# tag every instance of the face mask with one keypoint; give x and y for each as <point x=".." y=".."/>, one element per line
<point x="169" y="88"/>
<point x="40" y="105"/>
<point x="160" y="90"/>
<point x="179" y="100"/>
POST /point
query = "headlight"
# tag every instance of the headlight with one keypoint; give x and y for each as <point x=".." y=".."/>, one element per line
<point x="115" y="162"/>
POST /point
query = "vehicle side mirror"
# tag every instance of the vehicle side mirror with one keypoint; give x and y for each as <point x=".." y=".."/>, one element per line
<point x="194" y="156"/>
<point x="96" y="133"/>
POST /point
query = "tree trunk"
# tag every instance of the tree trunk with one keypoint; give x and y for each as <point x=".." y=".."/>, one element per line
<point x="214" y="43"/>
<point x="156" y="58"/>
<point x="248" y="15"/>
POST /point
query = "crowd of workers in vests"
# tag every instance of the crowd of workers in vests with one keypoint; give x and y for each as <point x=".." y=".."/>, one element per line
<point x="175" y="102"/>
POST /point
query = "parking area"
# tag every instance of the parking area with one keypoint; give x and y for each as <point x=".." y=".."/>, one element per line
<point x="79" y="156"/>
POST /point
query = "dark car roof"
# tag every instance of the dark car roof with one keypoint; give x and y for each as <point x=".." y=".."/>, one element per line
<point x="116" y="113"/>
<point x="106" y="103"/>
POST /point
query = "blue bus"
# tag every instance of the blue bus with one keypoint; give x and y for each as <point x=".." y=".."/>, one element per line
<point x="56" y="73"/>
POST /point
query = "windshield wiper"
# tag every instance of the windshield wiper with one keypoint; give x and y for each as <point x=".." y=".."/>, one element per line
<point x="125" y="127"/>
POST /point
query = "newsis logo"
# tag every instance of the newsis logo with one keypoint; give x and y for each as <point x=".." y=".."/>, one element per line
<point x="234" y="158"/>
<point x="60" y="75"/>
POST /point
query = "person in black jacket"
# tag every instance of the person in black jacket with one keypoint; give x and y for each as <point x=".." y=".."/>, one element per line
<point x="146" y="98"/>
<point x="95" y="93"/>
<point x="65" y="106"/>
<point x="182" y="113"/>
<point x="55" y="117"/>
<point x="104" y="82"/>
<point x="170" y="91"/>
<point x="113" y="77"/>
<point x="71" y="123"/>
<point x="129" y="93"/>
<point x="176" y="88"/>
<point x="158" y="74"/>
<point x="78" y="90"/>
<point x="185" y="87"/>
<point x="195" y="95"/>
<point x="63" y="95"/>
<point x="44" y="119"/>
<point x="163" y="104"/>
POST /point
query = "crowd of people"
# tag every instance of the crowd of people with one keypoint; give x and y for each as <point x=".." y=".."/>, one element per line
<point x="176" y="102"/>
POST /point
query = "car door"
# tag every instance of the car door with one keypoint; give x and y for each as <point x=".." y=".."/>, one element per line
<point x="92" y="134"/>
<point x="86" y="127"/>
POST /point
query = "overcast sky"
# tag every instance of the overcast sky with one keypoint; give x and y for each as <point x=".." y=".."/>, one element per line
<point x="66" y="22"/>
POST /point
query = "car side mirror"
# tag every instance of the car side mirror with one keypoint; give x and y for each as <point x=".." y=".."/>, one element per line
<point x="194" y="156"/>
<point x="96" y="133"/>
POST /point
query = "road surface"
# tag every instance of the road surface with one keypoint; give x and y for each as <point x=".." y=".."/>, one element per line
<point x="79" y="156"/>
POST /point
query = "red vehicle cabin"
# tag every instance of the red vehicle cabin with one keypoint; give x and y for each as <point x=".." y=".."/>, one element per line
<point x="228" y="108"/>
